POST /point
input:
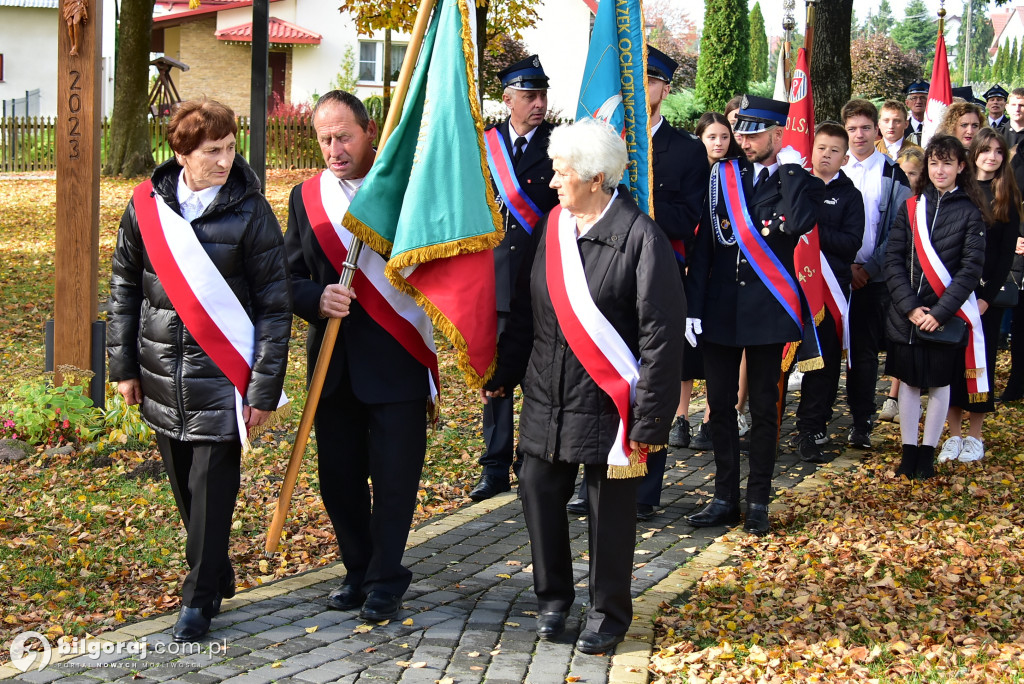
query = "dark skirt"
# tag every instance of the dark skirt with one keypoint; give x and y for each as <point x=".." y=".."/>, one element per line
<point x="693" y="362"/>
<point x="958" y="395"/>
<point x="923" y="365"/>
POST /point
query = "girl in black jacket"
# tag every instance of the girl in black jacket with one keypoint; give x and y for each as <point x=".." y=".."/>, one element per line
<point x="954" y="224"/>
<point x="990" y="160"/>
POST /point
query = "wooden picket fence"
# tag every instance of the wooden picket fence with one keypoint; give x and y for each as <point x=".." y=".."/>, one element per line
<point x="29" y="143"/>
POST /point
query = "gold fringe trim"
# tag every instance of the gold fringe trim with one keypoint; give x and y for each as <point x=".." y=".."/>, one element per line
<point x="368" y="235"/>
<point x="974" y="373"/>
<point x="637" y="463"/>
<point x="469" y="57"/>
<point x="817" y="363"/>
<point x="277" y="417"/>
<point x="819" y="317"/>
<point x="977" y="398"/>
<point x="650" y="138"/>
<point x="787" y="360"/>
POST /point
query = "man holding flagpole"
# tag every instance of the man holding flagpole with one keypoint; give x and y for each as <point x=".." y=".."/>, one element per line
<point x="521" y="171"/>
<point x="742" y="271"/>
<point x="371" y="421"/>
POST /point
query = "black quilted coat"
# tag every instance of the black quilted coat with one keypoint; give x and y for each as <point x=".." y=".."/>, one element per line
<point x="185" y="396"/>
<point x="632" y="277"/>
<point x="957" y="232"/>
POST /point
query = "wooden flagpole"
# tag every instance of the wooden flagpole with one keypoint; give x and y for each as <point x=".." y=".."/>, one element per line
<point x="348" y="272"/>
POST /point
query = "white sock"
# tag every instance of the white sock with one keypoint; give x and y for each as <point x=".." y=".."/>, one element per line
<point x="910" y="413"/>
<point x="935" y="418"/>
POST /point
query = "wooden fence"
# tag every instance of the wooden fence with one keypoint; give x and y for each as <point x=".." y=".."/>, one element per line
<point x="29" y="143"/>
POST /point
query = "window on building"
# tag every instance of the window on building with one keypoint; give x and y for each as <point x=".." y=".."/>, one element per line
<point x="371" y="61"/>
<point x="1" y="67"/>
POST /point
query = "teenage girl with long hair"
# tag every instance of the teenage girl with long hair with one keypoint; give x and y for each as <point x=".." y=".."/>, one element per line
<point x="990" y="160"/>
<point x="950" y="216"/>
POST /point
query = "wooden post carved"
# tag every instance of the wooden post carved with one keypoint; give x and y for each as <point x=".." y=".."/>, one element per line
<point x="79" y="114"/>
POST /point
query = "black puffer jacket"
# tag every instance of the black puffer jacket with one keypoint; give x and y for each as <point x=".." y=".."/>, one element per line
<point x="632" y="277"/>
<point x="841" y="227"/>
<point x="185" y="396"/>
<point x="957" y="231"/>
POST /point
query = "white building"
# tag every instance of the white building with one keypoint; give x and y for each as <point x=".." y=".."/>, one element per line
<point x="28" y="56"/>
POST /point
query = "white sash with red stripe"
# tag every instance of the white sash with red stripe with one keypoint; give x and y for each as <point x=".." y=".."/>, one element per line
<point x="838" y="306"/>
<point x="595" y="342"/>
<point x="201" y="297"/>
<point x="395" y="311"/>
<point x="939" y="278"/>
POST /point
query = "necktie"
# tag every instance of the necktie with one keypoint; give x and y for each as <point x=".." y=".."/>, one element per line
<point x="762" y="176"/>
<point x="517" y="151"/>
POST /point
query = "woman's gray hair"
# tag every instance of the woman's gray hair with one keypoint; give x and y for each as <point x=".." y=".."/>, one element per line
<point x="590" y="147"/>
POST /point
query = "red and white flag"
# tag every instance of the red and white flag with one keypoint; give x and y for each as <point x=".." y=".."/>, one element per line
<point x="940" y="93"/>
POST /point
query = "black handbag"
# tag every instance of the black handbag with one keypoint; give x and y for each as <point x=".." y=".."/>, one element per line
<point x="953" y="332"/>
<point x="1008" y="295"/>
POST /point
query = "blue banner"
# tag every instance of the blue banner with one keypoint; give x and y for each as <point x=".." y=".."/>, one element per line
<point x="615" y="88"/>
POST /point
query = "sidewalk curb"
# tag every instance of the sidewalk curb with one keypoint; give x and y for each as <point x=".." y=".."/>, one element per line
<point x="631" y="661"/>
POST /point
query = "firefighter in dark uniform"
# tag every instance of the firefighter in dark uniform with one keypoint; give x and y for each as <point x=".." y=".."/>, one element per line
<point x="524" y="138"/>
<point x="917" y="102"/>
<point x="995" y="106"/>
<point x="733" y="309"/>
<point x="680" y="185"/>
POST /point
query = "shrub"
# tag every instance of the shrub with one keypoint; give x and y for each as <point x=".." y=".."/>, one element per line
<point x="881" y="68"/>
<point x="39" y="411"/>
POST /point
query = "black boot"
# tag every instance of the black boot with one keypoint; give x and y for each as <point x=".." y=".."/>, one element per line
<point x="908" y="462"/>
<point x="925" y="462"/>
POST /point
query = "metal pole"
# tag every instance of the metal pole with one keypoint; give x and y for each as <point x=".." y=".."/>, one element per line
<point x="258" y="90"/>
<point x="967" y="43"/>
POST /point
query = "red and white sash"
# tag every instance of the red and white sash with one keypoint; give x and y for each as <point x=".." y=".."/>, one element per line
<point x="201" y="297"/>
<point x="939" y="278"/>
<point x="594" y="341"/>
<point x="395" y="311"/>
<point x="838" y="306"/>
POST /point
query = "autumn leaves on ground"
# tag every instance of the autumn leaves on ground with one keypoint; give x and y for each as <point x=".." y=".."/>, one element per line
<point x="867" y="578"/>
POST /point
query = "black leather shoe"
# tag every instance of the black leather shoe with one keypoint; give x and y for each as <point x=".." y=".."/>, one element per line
<point x="702" y="440"/>
<point x="644" y="512"/>
<point x="192" y="625"/>
<point x="577" y="507"/>
<point x="551" y="624"/>
<point x="488" y="486"/>
<point x="593" y="643"/>
<point x="380" y="606"/>
<point x="718" y="512"/>
<point x="757" y="520"/>
<point x="213" y="610"/>
<point x="345" y="597"/>
<point x="809" y="450"/>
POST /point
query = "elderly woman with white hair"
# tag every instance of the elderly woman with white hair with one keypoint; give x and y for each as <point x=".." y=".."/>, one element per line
<point x="596" y="335"/>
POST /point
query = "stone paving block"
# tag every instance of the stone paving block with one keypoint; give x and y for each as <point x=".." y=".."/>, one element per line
<point x="282" y="633"/>
<point x="199" y="678"/>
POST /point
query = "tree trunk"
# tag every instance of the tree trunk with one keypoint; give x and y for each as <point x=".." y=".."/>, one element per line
<point x="831" y="71"/>
<point x="481" y="44"/>
<point x="388" y="67"/>
<point x="130" y="152"/>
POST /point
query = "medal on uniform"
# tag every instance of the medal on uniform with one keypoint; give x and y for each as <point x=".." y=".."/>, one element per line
<point x="766" y="231"/>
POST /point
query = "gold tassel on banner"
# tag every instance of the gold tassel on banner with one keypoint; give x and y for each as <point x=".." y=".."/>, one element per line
<point x="787" y="360"/>
<point x="977" y="398"/>
<point x="277" y="417"/>
<point x="817" y="363"/>
<point x="637" y="463"/>
<point x="973" y="373"/>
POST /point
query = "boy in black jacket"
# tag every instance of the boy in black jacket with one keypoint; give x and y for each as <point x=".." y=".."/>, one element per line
<point x="840" y="230"/>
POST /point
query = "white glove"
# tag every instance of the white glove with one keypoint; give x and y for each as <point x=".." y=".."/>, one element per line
<point x="788" y="155"/>
<point x="692" y="330"/>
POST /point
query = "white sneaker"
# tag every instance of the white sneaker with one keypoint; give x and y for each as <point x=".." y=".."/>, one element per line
<point x="796" y="378"/>
<point x="741" y="421"/>
<point x="890" y="410"/>
<point x="973" y="450"/>
<point x="951" y="449"/>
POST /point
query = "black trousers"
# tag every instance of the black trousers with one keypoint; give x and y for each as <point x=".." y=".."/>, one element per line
<point x="868" y="308"/>
<point x="499" y="431"/>
<point x="819" y="387"/>
<point x="385" y="444"/>
<point x="1015" y="383"/>
<point x="545" y="488"/>
<point x="204" y="477"/>
<point x="764" y="368"/>
<point x="648" y="491"/>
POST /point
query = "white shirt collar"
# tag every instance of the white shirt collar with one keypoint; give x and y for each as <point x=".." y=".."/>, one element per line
<point x="874" y="160"/>
<point x="655" y="127"/>
<point x="758" y="166"/>
<point x="350" y="186"/>
<point x="205" y="196"/>
<point x="513" y="134"/>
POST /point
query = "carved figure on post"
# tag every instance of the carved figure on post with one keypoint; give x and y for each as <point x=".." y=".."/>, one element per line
<point x="75" y="13"/>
